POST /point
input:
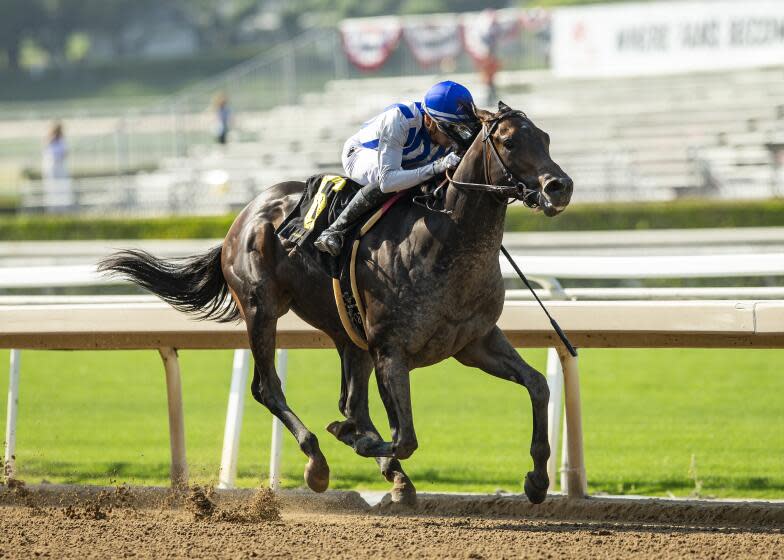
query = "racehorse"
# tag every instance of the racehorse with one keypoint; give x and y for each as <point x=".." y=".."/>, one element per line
<point x="430" y="281"/>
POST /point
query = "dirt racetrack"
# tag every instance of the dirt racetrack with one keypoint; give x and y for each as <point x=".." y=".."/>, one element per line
<point x="79" y="522"/>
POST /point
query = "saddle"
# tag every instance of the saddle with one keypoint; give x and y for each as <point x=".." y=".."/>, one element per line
<point x="323" y="200"/>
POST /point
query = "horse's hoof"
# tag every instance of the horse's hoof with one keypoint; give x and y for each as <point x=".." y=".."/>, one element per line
<point x="334" y="427"/>
<point x="403" y="491"/>
<point x="535" y="487"/>
<point x="317" y="476"/>
<point x="371" y="447"/>
<point x="341" y="429"/>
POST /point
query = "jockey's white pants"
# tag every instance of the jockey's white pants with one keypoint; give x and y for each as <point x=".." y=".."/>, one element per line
<point x="360" y="163"/>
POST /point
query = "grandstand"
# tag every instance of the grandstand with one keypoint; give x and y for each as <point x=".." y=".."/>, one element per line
<point x="652" y="138"/>
<point x="709" y="134"/>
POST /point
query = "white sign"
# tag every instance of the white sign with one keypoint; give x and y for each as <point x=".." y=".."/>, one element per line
<point x="667" y="37"/>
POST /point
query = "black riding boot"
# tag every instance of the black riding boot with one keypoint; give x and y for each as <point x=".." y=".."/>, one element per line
<point x="331" y="239"/>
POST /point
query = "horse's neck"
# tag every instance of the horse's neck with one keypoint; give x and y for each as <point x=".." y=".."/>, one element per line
<point x="478" y="216"/>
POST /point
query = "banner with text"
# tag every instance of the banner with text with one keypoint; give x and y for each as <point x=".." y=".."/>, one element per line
<point x="667" y="37"/>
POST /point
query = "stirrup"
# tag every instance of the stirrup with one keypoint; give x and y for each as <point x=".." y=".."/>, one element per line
<point x="329" y="242"/>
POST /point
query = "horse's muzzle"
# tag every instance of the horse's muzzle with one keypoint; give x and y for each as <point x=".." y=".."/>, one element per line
<point x="556" y="194"/>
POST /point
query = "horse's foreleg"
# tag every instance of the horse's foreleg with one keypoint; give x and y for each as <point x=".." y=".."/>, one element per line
<point x="495" y="355"/>
<point x="266" y="389"/>
<point x="358" y="429"/>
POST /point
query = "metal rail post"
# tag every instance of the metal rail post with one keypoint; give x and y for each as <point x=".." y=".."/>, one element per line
<point x="576" y="483"/>
<point x="231" y="434"/>
<point x="9" y="467"/>
<point x="564" y="456"/>
<point x="554" y="409"/>
<point x="179" y="464"/>
<point x="277" y="425"/>
<point x="555" y="384"/>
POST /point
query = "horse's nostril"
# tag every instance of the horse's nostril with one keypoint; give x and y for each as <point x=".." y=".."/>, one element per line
<point x="554" y="187"/>
<point x="558" y="186"/>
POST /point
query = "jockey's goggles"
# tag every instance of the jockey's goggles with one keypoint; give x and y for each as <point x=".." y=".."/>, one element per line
<point x="463" y="133"/>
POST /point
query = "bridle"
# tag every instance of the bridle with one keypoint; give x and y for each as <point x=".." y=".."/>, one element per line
<point x="517" y="189"/>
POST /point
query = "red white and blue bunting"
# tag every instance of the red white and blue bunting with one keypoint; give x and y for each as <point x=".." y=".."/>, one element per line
<point x="369" y="43"/>
<point x="433" y="41"/>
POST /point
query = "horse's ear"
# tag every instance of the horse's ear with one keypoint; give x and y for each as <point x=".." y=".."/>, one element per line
<point x="482" y="115"/>
<point x="503" y="107"/>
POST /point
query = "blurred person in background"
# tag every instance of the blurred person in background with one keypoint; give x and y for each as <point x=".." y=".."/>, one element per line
<point x="488" y="69"/>
<point x="489" y="65"/>
<point x="58" y="196"/>
<point x="404" y="146"/>
<point x="223" y="118"/>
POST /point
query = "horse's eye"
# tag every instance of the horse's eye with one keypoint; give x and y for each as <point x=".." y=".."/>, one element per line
<point x="508" y="143"/>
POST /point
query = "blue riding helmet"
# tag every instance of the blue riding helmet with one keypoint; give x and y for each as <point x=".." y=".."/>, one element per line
<point x="449" y="101"/>
<point x="450" y="105"/>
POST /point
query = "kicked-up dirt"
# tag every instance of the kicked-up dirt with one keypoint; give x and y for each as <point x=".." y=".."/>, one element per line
<point x="202" y="523"/>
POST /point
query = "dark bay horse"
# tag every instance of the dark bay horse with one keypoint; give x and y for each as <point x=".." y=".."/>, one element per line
<point x="431" y="284"/>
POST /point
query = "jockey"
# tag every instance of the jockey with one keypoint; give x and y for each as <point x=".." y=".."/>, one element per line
<point x="402" y="147"/>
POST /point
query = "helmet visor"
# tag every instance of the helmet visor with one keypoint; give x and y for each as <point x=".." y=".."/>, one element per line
<point x="463" y="133"/>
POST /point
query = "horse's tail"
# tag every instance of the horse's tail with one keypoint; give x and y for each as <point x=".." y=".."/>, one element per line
<point x="190" y="284"/>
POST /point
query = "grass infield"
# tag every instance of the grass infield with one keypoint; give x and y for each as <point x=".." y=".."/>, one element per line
<point x="657" y="422"/>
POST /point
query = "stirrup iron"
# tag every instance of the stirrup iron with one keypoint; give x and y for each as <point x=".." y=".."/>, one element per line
<point x="329" y="242"/>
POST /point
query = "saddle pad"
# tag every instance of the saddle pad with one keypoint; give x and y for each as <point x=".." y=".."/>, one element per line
<point x="324" y="198"/>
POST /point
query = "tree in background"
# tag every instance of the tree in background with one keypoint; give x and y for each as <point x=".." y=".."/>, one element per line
<point x="19" y="19"/>
<point x="61" y="18"/>
<point x="51" y="23"/>
<point x="333" y="11"/>
<point x="217" y="23"/>
<point x="111" y="18"/>
<point x="445" y="6"/>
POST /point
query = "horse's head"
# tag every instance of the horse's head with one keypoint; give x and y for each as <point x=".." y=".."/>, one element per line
<point x="517" y="153"/>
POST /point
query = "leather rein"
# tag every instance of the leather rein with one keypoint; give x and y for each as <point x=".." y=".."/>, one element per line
<point x="517" y="189"/>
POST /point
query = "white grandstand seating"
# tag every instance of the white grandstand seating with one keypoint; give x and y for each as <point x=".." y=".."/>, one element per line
<point x="619" y="139"/>
<point x="654" y="138"/>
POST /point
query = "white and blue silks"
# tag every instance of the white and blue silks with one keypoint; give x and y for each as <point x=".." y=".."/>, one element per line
<point x="392" y="150"/>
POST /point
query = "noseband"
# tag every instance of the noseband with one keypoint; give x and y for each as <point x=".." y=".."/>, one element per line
<point x="517" y="189"/>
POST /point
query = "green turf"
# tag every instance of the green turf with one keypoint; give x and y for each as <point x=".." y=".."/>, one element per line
<point x="656" y="422"/>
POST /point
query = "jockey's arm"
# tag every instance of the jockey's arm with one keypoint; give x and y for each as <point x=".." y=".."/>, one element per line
<point x="392" y="176"/>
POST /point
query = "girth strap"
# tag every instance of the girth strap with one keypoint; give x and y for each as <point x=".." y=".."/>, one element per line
<point x="355" y="336"/>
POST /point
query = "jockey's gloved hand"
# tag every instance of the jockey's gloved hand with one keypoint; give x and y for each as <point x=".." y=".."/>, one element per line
<point x="449" y="161"/>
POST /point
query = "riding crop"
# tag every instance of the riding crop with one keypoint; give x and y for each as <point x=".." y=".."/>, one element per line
<point x="557" y="329"/>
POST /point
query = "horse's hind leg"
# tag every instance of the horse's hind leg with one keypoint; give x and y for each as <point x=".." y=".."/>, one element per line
<point x="266" y="389"/>
<point x="495" y="355"/>
<point x="356" y="366"/>
<point x="392" y="376"/>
